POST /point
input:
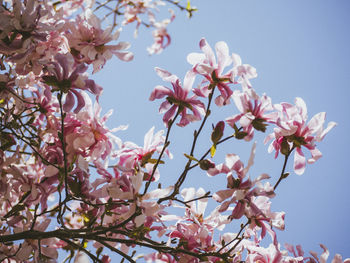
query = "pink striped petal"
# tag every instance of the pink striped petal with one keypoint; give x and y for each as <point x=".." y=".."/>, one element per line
<point x="204" y="46"/>
<point x="224" y="59"/>
<point x="160" y="92"/>
<point x="299" y="162"/>
<point x="69" y="103"/>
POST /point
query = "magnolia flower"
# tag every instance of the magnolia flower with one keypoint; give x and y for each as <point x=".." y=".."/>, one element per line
<point x="25" y="23"/>
<point x="298" y="255"/>
<point x="205" y="64"/>
<point x="253" y="112"/>
<point x="293" y="133"/>
<point x="242" y="73"/>
<point x="87" y="135"/>
<point x="259" y="254"/>
<point x="128" y="187"/>
<point x="90" y="41"/>
<point x="160" y="34"/>
<point x="261" y="217"/>
<point x="132" y="156"/>
<point x="240" y="191"/>
<point x="159" y="258"/>
<point x="195" y="210"/>
<point x="67" y="8"/>
<point x="65" y="76"/>
<point x="178" y="100"/>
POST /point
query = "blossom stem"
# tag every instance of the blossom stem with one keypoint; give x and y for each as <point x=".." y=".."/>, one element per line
<point x="188" y="164"/>
<point x="61" y="138"/>
<point x="208" y="151"/>
<point x="166" y="144"/>
<point x="283" y="174"/>
<point x="117" y="251"/>
<point x="62" y="204"/>
<point x="79" y="247"/>
<point x="236" y="238"/>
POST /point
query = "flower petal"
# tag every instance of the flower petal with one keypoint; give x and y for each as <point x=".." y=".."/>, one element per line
<point x="299" y="162"/>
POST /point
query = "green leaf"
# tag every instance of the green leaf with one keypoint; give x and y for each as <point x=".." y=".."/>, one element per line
<point x="190" y="157"/>
<point x="213" y="150"/>
<point x="188" y="7"/>
<point x="154" y="161"/>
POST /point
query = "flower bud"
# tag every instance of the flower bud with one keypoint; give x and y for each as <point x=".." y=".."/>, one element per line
<point x="218" y="132"/>
<point x="206" y="164"/>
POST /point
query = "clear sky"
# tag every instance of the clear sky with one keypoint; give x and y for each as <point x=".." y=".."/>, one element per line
<point x="300" y="48"/>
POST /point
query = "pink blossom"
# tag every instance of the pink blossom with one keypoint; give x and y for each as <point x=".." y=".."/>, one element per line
<point x="270" y="254"/>
<point x="48" y="104"/>
<point x="338" y="259"/>
<point x="242" y="73"/>
<point x="159" y="258"/>
<point x="89" y="40"/>
<point x="194" y="231"/>
<point x="66" y="76"/>
<point x="195" y="210"/>
<point x="128" y="187"/>
<point x="26" y="32"/>
<point x="192" y="236"/>
<point x="161" y="36"/>
<point x="324" y="256"/>
<point x="133" y="10"/>
<point x="87" y="135"/>
<point x="178" y="100"/>
<point x="262" y="204"/>
<point x="206" y="65"/>
<point x="25" y="20"/>
<point x="261" y="218"/>
<point x="132" y="156"/>
<point x="239" y="192"/>
<point x="253" y="112"/>
<point x="67" y="7"/>
<point x="292" y="132"/>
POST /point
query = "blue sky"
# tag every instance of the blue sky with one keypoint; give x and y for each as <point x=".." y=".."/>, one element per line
<point x="300" y="48"/>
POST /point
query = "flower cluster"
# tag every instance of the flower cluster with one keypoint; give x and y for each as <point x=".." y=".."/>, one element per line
<point x="68" y="183"/>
